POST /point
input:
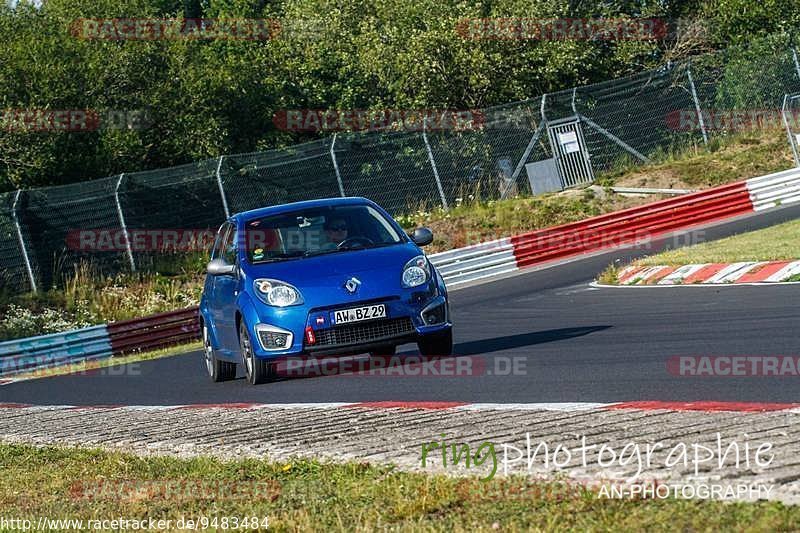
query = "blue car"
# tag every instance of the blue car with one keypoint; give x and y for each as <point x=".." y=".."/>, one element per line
<point x="323" y="277"/>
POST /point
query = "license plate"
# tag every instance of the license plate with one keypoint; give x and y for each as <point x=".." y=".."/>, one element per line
<point x="356" y="314"/>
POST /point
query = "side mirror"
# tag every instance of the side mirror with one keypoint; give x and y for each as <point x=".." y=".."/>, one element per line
<point x="218" y="267"/>
<point x="422" y="236"/>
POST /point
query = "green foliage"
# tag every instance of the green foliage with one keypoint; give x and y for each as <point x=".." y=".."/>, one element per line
<point x="206" y="98"/>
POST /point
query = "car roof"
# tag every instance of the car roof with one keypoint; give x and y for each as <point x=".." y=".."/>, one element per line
<point x="308" y="204"/>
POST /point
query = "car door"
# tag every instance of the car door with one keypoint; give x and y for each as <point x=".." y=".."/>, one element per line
<point x="226" y="290"/>
<point x="209" y="287"/>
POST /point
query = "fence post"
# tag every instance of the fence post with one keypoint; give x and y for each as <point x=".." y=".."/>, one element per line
<point x="792" y="138"/>
<point x="433" y="163"/>
<point x="336" y="167"/>
<point x="22" y="243"/>
<point x="122" y="224"/>
<point x="697" y="104"/>
<point x="221" y="188"/>
<point x="796" y="63"/>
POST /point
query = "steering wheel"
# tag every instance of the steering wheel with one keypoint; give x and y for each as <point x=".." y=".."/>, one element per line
<point x="351" y="240"/>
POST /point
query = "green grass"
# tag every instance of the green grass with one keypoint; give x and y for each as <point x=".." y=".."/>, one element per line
<point x="740" y="156"/>
<point x="776" y="243"/>
<point x="88" y="366"/>
<point x="307" y="495"/>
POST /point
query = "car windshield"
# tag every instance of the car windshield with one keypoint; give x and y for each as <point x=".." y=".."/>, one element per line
<point x="318" y="231"/>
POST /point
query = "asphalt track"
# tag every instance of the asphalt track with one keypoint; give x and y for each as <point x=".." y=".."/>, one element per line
<point x="571" y="343"/>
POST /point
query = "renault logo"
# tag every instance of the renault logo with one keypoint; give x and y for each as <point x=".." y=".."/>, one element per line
<point x="352" y="285"/>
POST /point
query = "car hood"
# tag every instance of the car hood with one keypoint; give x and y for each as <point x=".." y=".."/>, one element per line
<point x="321" y="279"/>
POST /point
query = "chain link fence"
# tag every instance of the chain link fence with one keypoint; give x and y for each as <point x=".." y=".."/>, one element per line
<point x="579" y="132"/>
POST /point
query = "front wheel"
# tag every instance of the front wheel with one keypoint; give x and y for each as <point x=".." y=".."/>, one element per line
<point x="217" y="370"/>
<point x="257" y="370"/>
<point x="436" y="344"/>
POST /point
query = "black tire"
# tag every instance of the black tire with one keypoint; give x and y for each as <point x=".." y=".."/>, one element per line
<point x="440" y="344"/>
<point x="384" y="351"/>
<point x="217" y="370"/>
<point x="257" y="371"/>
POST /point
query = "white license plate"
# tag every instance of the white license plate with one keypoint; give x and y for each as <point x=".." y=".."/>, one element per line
<point x="356" y="314"/>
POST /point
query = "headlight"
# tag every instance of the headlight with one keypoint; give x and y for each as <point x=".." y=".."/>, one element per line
<point x="277" y="293"/>
<point x="416" y="272"/>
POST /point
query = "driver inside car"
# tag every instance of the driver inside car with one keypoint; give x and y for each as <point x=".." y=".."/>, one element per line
<point x="335" y="232"/>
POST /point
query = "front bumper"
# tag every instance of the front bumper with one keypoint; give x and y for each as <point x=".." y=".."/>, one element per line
<point x="406" y="321"/>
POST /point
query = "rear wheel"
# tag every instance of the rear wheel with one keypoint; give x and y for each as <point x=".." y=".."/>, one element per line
<point x="438" y="344"/>
<point x="217" y="370"/>
<point x="257" y="370"/>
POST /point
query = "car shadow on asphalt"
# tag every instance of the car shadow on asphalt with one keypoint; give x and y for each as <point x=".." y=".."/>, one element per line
<point x="509" y="342"/>
<point x="327" y="366"/>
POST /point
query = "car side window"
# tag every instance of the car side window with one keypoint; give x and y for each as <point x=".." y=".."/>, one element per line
<point x="229" y="245"/>
<point x="216" y="250"/>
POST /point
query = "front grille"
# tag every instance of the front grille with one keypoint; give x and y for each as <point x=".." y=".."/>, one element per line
<point x="362" y="333"/>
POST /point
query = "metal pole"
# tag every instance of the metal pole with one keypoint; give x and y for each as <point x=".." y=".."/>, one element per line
<point x="619" y="142"/>
<point x="222" y="189"/>
<point x="792" y="139"/>
<point x="541" y="107"/>
<point x="796" y="63"/>
<point x="336" y="167"/>
<point x="433" y="163"/>
<point x="22" y="243"/>
<point x="122" y="223"/>
<point x="697" y="104"/>
<point x="574" y="92"/>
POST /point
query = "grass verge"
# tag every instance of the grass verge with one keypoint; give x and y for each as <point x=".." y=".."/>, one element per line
<point x="776" y="243"/>
<point x="307" y="495"/>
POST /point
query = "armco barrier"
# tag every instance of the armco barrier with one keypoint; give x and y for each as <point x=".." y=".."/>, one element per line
<point x="458" y="266"/>
<point x="475" y="262"/>
<point x="631" y="225"/>
<point x="154" y="331"/>
<point x="21" y="355"/>
<point x="774" y="189"/>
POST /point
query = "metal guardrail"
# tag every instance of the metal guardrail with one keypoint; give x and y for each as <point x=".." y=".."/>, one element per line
<point x="56" y="349"/>
<point x="155" y="331"/>
<point x="650" y="190"/>
<point x="97" y="342"/>
<point x="775" y="189"/>
<point x="475" y="262"/>
<point x="631" y="225"/>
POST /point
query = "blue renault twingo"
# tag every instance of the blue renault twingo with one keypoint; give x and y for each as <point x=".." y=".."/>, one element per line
<point x="322" y="277"/>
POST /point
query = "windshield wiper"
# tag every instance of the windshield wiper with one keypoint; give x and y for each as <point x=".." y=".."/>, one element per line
<point x="311" y="253"/>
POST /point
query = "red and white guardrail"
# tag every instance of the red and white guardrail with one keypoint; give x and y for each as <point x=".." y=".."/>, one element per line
<point x="626" y="227"/>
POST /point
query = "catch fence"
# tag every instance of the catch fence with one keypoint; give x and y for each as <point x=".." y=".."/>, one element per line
<point x="131" y="221"/>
